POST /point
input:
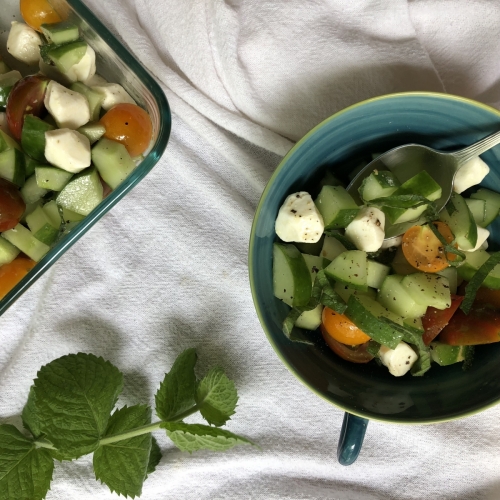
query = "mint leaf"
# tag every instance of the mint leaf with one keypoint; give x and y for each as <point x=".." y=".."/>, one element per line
<point x="176" y="392"/>
<point x="192" y="437"/>
<point x="154" y="457"/>
<point x="73" y="398"/>
<point x="216" y="397"/>
<point x="25" y="471"/>
<point x="122" y="465"/>
<point x="29" y="415"/>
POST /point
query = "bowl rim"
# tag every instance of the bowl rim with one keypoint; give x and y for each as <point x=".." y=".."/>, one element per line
<point x="251" y="246"/>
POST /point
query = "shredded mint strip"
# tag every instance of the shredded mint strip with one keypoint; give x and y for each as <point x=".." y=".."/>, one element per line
<point x="477" y="280"/>
<point x="70" y="413"/>
<point x="448" y="248"/>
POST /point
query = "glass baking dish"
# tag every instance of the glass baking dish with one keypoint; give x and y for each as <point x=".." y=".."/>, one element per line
<point x="118" y="65"/>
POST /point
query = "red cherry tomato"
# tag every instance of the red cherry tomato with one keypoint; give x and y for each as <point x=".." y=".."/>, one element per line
<point x="130" y="125"/>
<point x="12" y="205"/>
<point x="436" y="319"/>
<point x="354" y="354"/>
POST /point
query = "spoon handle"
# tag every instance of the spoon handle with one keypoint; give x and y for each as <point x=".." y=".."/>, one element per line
<point x="477" y="148"/>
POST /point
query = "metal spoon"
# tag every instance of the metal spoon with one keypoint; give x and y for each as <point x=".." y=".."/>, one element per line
<point x="408" y="160"/>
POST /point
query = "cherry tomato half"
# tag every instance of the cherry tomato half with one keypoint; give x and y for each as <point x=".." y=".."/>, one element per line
<point x="424" y="251"/>
<point x="37" y="12"/>
<point x="354" y="354"/>
<point x="130" y="125"/>
<point x="11" y="274"/>
<point x="435" y="320"/>
<point x="12" y="205"/>
<point x="342" y="329"/>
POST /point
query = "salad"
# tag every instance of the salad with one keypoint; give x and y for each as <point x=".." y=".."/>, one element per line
<point x="428" y="296"/>
<point x="67" y="138"/>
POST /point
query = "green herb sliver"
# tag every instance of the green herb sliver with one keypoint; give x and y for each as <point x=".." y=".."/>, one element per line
<point x="448" y="248"/>
<point x="477" y="280"/>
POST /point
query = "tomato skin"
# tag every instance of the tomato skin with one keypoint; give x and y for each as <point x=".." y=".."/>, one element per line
<point x="488" y="296"/>
<point x="11" y="274"/>
<point x="355" y="354"/>
<point x="424" y="251"/>
<point x="38" y="12"/>
<point x="12" y="205"/>
<point x="342" y="329"/>
<point x="130" y="125"/>
<point x="436" y="319"/>
<point x="480" y="326"/>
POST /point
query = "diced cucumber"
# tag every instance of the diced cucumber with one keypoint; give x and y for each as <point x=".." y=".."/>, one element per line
<point x="310" y="248"/>
<point x="53" y="213"/>
<point x="314" y="264"/>
<point x="41" y="226"/>
<point x="444" y="354"/>
<point x="332" y="248"/>
<point x="345" y="291"/>
<point x="394" y="296"/>
<point x="310" y="320"/>
<point x="82" y="193"/>
<point x="400" y="265"/>
<point x="365" y="313"/>
<point x="415" y="323"/>
<point x="458" y="217"/>
<point x="93" y="131"/>
<point x="52" y="178"/>
<point x="291" y="278"/>
<point x="477" y="209"/>
<point x="473" y="261"/>
<point x="376" y="273"/>
<point x="69" y="216"/>
<point x="7" y="81"/>
<point x="23" y="239"/>
<point x="378" y="184"/>
<point x="67" y="55"/>
<point x="31" y="192"/>
<point x="428" y="289"/>
<point x="6" y="142"/>
<point x="112" y="161"/>
<point x="59" y="33"/>
<point x="95" y="99"/>
<point x="33" y="137"/>
<point x="450" y="273"/>
<point x="350" y="268"/>
<point x="29" y="165"/>
<point x="12" y="166"/>
<point x="29" y="209"/>
<point x="336" y="206"/>
<point x="8" y="252"/>
<point x="4" y="68"/>
<point x="492" y="206"/>
<point x="400" y="215"/>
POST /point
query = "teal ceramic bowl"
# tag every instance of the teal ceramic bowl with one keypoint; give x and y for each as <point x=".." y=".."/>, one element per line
<point x="338" y="144"/>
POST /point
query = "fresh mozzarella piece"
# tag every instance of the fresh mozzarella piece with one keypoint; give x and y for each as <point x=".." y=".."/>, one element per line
<point x="398" y="360"/>
<point x="482" y="236"/>
<point x="113" y="94"/>
<point x="366" y="230"/>
<point x="67" y="149"/>
<point x="470" y="174"/>
<point x="392" y="242"/>
<point x="69" y="109"/>
<point x="24" y="43"/>
<point x="299" y="220"/>
<point x="95" y="80"/>
<point x="85" y="69"/>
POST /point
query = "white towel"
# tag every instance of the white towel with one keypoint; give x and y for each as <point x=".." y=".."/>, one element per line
<point x="166" y="269"/>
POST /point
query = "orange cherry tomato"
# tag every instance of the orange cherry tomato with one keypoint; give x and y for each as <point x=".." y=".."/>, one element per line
<point x="12" y="205"/>
<point x="342" y="329"/>
<point x="38" y="12"/>
<point x="435" y="320"/>
<point x="11" y="274"/>
<point x="130" y="125"/>
<point x="354" y="354"/>
<point x="424" y="251"/>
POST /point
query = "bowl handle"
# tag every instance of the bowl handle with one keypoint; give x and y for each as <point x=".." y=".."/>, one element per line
<point x="351" y="438"/>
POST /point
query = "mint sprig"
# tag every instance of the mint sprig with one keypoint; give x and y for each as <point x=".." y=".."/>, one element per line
<point x="69" y="414"/>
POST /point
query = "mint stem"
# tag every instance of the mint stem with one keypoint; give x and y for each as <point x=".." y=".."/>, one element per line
<point x="145" y="429"/>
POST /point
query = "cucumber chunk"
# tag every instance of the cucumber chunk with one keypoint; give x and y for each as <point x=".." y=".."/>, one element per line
<point x="450" y="273"/>
<point x="492" y="204"/>
<point x="314" y="264"/>
<point x="60" y="33"/>
<point x="31" y="192"/>
<point x="415" y="323"/>
<point x="112" y="161"/>
<point x="52" y="178"/>
<point x="23" y="239"/>
<point x="332" y="248"/>
<point x="41" y="226"/>
<point x="459" y="219"/>
<point x="428" y="289"/>
<point x="29" y="165"/>
<point x="6" y="142"/>
<point x="400" y="265"/>
<point x="291" y="278"/>
<point x="310" y="320"/>
<point x="93" y="131"/>
<point x="376" y="273"/>
<point x="67" y="55"/>
<point x="8" y="252"/>
<point x="394" y="296"/>
<point x="345" y="291"/>
<point x="336" y="206"/>
<point x="473" y="261"/>
<point x="350" y="268"/>
<point x="445" y="355"/>
<point x="95" y="99"/>
<point x="33" y="137"/>
<point x="478" y="210"/>
<point x="378" y="184"/>
<point x="53" y="213"/>
<point x="82" y="193"/>
<point x="12" y="166"/>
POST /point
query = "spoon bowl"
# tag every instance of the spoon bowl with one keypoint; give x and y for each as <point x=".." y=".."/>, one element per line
<point x="410" y="159"/>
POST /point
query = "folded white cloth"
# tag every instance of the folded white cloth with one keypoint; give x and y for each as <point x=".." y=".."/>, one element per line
<point x="166" y="269"/>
